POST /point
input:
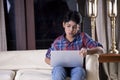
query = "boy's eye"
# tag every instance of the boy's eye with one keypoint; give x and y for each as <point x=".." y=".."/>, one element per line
<point x="75" y="27"/>
<point x="68" y="25"/>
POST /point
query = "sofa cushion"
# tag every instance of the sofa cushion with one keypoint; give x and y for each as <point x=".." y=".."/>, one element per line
<point x="33" y="74"/>
<point x="7" y="75"/>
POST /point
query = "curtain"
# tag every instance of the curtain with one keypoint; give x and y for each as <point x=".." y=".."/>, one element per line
<point x="118" y="37"/>
<point x="115" y="67"/>
<point x="3" y="44"/>
<point x="103" y="30"/>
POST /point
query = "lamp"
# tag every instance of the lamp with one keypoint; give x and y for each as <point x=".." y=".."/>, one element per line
<point x="92" y="12"/>
<point x="112" y="12"/>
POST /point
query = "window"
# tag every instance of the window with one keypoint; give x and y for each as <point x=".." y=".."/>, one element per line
<point x="48" y="20"/>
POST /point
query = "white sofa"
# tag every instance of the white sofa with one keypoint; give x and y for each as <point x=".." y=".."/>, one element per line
<point x="30" y="65"/>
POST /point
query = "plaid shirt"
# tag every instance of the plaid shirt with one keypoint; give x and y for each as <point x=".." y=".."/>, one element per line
<point x="81" y="40"/>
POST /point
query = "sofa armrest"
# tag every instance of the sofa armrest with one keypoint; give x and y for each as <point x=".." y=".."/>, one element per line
<point x="92" y="67"/>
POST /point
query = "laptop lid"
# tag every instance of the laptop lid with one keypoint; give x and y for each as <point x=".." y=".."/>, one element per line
<point x="66" y="58"/>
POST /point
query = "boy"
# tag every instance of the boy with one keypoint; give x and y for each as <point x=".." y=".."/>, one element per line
<point x="72" y="39"/>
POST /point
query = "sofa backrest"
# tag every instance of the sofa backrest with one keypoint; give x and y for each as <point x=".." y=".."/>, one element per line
<point x="23" y="59"/>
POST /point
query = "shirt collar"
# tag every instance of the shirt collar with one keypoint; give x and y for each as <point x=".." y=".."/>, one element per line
<point x="64" y="38"/>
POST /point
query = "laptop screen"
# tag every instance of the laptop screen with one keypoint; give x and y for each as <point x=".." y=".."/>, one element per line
<point x="66" y="58"/>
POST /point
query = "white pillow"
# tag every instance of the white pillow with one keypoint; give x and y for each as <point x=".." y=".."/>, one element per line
<point x="7" y="75"/>
<point x="33" y="74"/>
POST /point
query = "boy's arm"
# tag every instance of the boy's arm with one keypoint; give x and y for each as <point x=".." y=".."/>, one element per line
<point x="95" y="50"/>
<point x="47" y="60"/>
<point x="91" y="51"/>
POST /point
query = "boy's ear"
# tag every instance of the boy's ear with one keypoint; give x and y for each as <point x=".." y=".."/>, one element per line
<point x="63" y="24"/>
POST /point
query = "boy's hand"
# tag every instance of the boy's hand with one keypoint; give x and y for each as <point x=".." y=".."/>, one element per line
<point x="83" y="52"/>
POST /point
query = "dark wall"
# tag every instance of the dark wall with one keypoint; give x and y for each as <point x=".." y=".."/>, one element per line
<point x="48" y="16"/>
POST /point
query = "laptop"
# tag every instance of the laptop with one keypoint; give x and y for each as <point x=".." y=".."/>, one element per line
<point x="66" y="58"/>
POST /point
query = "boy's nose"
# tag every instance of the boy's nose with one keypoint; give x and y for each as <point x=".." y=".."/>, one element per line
<point x="71" y="28"/>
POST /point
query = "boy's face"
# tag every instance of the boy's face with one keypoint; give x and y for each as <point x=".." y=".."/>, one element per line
<point x="71" y="28"/>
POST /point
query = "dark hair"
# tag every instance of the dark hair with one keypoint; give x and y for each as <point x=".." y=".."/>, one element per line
<point x="72" y="15"/>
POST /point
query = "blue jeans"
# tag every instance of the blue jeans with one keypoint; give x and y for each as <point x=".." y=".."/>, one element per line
<point x="75" y="73"/>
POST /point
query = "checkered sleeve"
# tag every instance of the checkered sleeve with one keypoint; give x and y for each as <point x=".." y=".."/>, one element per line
<point x="89" y="42"/>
